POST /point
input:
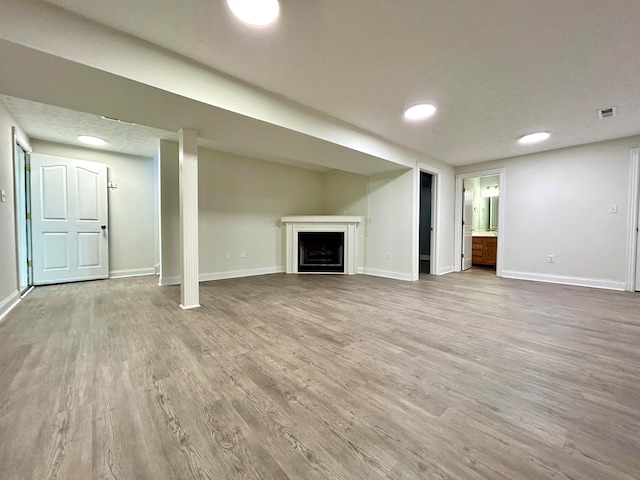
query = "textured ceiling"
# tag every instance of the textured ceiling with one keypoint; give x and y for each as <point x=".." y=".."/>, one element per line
<point x="496" y="69"/>
<point x="61" y="125"/>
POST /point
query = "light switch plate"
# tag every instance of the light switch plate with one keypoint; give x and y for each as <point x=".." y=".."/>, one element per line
<point x="3" y="197"/>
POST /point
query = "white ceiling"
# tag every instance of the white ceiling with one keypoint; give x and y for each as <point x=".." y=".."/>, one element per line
<point x="496" y="69"/>
<point x="62" y="125"/>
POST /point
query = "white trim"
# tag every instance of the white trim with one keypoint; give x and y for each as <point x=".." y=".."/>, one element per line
<point x="188" y="188"/>
<point x="189" y="307"/>
<point x="9" y="304"/>
<point x="632" y="221"/>
<point x="27" y="292"/>
<point x="436" y="185"/>
<point x="445" y="270"/>
<point x="501" y="216"/>
<point x="132" y="272"/>
<point x="407" y="277"/>
<point x="349" y="225"/>
<point x="565" y="280"/>
<point x="207" y="277"/>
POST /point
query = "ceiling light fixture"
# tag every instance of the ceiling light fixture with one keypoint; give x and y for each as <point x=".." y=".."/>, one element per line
<point x="419" y="111"/>
<point x="91" y="140"/>
<point x="258" y="13"/>
<point x="534" y="138"/>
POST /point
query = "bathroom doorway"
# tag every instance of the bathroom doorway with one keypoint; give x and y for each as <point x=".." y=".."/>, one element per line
<point x="480" y="220"/>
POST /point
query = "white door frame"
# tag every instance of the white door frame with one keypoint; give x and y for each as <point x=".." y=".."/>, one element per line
<point x="632" y="221"/>
<point x="460" y="178"/>
<point x="436" y="182"/>
<point x="19" y="141"/>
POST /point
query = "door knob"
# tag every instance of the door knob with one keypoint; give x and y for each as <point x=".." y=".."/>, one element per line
<point x="103" y="227"/>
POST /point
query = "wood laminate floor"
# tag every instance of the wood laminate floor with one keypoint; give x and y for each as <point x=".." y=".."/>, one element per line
<point x="463" y="376"/>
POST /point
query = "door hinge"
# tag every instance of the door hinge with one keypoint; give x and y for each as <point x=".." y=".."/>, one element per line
<point x="28" y="215"/>
<point x="27" y="167"/>
<point x="462" y="255"/>
<point x="30" y="264"/>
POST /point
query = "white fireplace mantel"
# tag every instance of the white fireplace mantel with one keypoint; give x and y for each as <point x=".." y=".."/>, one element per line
<point x="322" y="223"/>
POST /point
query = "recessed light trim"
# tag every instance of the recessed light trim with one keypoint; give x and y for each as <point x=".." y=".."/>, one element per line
<point x="419" y="111"/>
<point x="258" y="13"/>
<point x="534" y="138"/>
<point x="91" y="140"/>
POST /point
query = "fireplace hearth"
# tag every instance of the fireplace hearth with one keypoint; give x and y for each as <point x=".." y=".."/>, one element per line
<point x="321" y="252"/>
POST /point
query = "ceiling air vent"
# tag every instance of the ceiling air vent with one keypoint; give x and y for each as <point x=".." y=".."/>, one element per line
<point x="606" y="112"/>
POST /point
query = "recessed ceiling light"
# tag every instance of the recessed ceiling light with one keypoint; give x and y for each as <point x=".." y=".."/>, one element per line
<point x="419" y="111"/>
<point x="258" y="13"/>
<point x="90" y="140"/>
<point x="534" y="138"/>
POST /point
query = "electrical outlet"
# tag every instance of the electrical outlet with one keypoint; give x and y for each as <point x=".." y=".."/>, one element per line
<point x="243" y="254"/>
<point x="388" y="255"/>
<point x="247" y="253"/>
<point x="551" y="259"/>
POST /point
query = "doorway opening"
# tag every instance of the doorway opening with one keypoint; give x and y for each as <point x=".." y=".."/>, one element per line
<point x="426" y="225"/>
<point x="480" y="220"/>
<point x="22" y="184"/>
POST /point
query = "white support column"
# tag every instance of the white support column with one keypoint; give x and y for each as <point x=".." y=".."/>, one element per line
<point x="189" y="271"/>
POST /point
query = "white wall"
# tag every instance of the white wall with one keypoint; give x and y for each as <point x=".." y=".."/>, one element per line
<point x="241" y="201"/>
<point x="390" y="230"/>
<point x="346" y="194"/>
<point x="8" y="255"/>
<point x="556" y="203"/>
<point x="132" y="236"/>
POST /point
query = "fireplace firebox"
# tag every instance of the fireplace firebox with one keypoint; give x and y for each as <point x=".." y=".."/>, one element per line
<point x="321" y="252"/>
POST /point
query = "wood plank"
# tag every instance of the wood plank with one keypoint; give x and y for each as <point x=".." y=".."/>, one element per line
<point x="463" y="376"/>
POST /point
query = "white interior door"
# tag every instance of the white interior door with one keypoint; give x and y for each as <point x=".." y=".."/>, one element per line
<point x="467" y="239"/>
<point x="69" y="220"/>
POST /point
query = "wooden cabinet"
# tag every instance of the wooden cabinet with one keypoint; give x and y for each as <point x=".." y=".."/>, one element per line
<point x="484" y="250"/>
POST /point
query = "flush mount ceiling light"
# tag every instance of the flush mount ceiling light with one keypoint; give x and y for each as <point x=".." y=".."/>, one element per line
<point x="258" y="13"/>
<point x="419" y="111"/>
<point x="93" y="141"/>
<point x="534" y="138"/>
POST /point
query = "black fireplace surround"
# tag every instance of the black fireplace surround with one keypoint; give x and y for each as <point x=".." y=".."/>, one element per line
<point x="321" y="252"/>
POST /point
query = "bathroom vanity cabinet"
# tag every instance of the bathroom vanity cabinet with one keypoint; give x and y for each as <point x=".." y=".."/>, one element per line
<point x="484" y="250"/>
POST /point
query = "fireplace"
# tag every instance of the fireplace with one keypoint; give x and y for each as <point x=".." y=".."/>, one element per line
<point x="320" y="252"/>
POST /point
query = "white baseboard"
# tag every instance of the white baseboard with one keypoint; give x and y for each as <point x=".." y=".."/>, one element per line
<point x="132" y="272"/>
<point x="360" y="270"/>
<point x="207" y="277"/>
<point x="8" y="304"/>
<point x="565" y="280"/>
<point x="385" y="274"/>
<point x="445" y="270"/>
